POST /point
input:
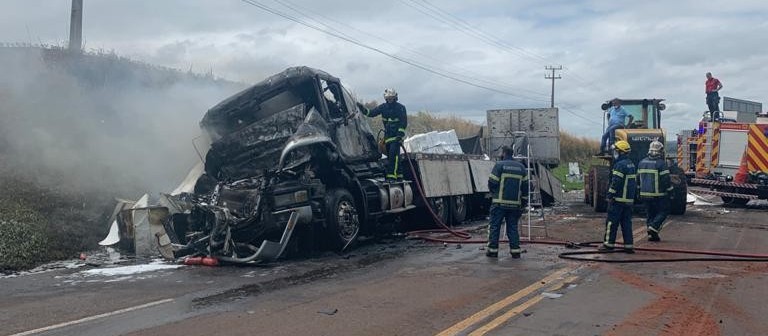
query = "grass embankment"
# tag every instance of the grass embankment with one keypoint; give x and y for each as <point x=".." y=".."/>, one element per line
<point x="575" y="149"/>
<point x="40" y="224"/>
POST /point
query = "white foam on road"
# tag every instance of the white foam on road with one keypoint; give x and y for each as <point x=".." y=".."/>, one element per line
<point x="704" y="200"/>
<point x="696" y="276"/>
<point x="133" y="269"/>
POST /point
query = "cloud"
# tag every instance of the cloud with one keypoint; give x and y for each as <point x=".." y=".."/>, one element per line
<point x="649" y="49"/>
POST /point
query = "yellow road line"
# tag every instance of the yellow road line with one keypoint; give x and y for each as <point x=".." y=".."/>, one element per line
<point x="492" y="309"/>
<point x="514" y="311"/>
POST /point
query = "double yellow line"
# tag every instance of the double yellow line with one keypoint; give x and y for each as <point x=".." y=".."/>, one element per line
<point x="555" y="281"/>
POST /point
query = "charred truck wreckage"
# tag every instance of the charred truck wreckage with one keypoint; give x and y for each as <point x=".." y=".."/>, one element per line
<point x="293" y="166"/>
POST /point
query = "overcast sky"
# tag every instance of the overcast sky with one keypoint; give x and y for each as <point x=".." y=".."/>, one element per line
<point x="631" y="49"/>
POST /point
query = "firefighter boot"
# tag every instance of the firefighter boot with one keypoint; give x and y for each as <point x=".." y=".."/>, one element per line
<point x="604" y="247"/>
<point x="653" y="236"/>
<point x="492" y="253"/>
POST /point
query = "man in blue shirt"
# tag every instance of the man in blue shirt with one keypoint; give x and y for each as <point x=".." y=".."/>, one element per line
<point x="616" y="116"/>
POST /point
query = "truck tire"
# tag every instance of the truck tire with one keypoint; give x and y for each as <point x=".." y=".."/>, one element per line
<point x="441" y="207"/>
<point x="588" y="187"/>
<point x="600" y="180"/>
<point x="459" y="204"/>
<point x="679" y="200"/>
<point x="342" y="221"/>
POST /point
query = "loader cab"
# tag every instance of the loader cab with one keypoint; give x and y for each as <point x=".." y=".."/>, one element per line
<point x="644" y="128"/>
<point x="646" y="113"/>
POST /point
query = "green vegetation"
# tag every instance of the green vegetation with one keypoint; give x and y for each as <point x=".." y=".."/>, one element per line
<point x="40" y="223"/>
<point x="574" y="149"/>
<point x="425" y="121"/>
<point x="561" y="173"/>
<point x="23" y="236"/>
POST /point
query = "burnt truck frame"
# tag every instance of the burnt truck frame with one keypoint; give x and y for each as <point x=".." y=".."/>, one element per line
<point x="293" y="166"/>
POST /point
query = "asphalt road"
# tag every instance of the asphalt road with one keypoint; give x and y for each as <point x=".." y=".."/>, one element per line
<point x="410" y="287"/>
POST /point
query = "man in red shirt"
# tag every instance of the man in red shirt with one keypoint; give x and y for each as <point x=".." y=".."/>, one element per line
<point x="711" y="87"/>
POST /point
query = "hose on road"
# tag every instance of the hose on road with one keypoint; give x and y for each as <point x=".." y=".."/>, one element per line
<point x="465" y="238"/>
<point x="583" y="255"/>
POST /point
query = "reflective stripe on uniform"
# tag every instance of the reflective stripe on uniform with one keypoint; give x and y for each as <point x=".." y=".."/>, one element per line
<point x="618" y="173"/>
<point x="624" y="198"/>
<point x="517" y="250"/>
<point x="388" y="140"/>
<point x="500" y="196"/>
<point x="493" y="177"/>
<point x="397" y="160"/>
<point x="655" y="176"/>
<point x="607" y="234"/>
<point x="401" y="130"/>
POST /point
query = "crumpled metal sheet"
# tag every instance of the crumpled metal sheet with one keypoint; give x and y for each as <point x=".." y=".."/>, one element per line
<point x="254" y="148"/>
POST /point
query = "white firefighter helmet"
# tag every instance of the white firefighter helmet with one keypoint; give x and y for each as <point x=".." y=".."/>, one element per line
<point x="655" y="148"/>
<point x="390" y="93"/>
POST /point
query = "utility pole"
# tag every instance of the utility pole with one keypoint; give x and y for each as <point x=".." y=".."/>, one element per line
<point x="76" y="26"/>
<point x="553" y="77"/>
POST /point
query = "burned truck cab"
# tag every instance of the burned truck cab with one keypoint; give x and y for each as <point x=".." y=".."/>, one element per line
<point x="291" y="151"/>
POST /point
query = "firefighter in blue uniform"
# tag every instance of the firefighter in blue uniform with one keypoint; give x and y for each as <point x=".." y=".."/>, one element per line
<point x="509" y="192"/>
<point x="395" y="120"/>
<point x="655" y="188"/>
<point x="621" y="196"/>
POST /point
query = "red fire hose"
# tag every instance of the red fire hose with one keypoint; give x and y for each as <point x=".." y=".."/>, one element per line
<point x="465" y="238"/>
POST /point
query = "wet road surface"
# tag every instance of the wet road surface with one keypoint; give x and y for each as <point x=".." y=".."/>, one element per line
<point x="410" y="287"/>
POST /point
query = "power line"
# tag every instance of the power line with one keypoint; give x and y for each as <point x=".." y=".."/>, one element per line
<point x="485" y="36"/>
<point x="473" y="76"/>
<point x="396" y="57"/>
<point x="570" y="109"/>
<point x="468" y="29"/>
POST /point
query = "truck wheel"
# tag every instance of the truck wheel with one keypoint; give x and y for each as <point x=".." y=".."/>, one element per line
<point x="588" y="187"/>
<point x="600" y="188"/>
<point x="342" y="221"/>
<point x="679" y="191"/>
<point x="441" y="208"/>
<point x="458" y="209"/>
